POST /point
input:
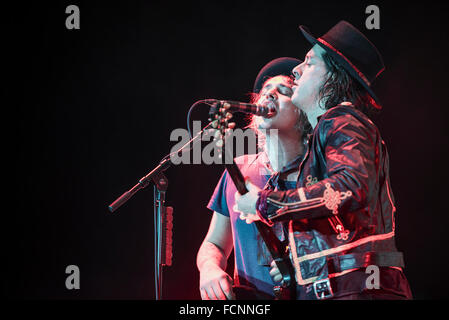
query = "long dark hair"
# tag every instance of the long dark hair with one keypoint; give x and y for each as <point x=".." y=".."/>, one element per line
<point x="340" y="86"/>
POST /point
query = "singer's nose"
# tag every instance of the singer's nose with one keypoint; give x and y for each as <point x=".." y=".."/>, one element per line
<point x="297" y="72"/>
<point x="270" y="95"/>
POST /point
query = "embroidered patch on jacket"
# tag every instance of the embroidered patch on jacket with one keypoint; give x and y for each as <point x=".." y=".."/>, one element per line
<point x="332" y="198"/>
<point x="342" y="232"/>
<point x="311" y="181"/>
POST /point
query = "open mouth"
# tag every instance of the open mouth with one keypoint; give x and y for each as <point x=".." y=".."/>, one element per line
<point x="273" y="109"/>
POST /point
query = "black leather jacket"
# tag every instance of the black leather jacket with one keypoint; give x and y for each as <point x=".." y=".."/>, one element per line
<point x="341" y="216"/>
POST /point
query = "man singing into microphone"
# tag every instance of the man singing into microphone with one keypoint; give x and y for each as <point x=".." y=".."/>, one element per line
<point x="341" y="215"/>
<point x="274" y="167"/>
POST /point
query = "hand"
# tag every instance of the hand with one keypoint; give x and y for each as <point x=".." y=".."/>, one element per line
<point x="246" y="204"/>
<point x="275" y="273"/>
<point x="215" y="284"/>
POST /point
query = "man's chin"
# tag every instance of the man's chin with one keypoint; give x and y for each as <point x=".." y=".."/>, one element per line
<point x="295" y="99"/>
<point x="297" y="103"/>
<point x="264" y="125"/>
<point x="267" y="123"/>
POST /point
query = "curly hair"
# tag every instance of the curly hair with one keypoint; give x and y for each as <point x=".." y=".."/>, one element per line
<point x="339" y="86"/>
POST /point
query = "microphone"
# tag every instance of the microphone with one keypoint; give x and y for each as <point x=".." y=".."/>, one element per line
<point x="258" y="110"/>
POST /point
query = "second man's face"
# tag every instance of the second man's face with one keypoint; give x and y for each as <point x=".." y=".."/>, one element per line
<point x="309" y="78"/>
<point x="277" y="93"/>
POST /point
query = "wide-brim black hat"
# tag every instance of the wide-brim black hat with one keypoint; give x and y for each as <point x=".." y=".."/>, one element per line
<point x="353" y="51"/>
<point x="277" y="67"/>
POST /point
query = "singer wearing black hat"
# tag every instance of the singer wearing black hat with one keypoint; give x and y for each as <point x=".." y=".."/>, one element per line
<point x="341" y="215"/>
<point x="275" y="166"/>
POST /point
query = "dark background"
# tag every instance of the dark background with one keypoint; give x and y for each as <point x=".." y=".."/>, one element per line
<point x="90" y="112"/>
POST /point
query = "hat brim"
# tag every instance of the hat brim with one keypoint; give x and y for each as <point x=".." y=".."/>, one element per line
<point x="348" y="67"/>
<point x="276" y="67"/>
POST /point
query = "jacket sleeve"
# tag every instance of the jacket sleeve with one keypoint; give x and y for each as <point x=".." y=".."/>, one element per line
<point x="351" y="157"/>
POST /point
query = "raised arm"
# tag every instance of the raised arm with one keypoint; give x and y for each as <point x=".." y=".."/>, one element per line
<point x="352" y="156"/>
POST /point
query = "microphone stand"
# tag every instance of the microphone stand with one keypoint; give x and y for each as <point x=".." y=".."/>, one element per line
<point x="160" y="188"/>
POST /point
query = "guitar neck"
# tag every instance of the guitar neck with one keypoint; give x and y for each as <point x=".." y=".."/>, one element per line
<point x="239" y="181"/>
<point x="237" y="177"/>
<point x="274" y="245"/>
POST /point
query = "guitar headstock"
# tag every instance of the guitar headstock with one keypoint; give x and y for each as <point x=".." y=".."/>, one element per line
<point x="220" y="121"/>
